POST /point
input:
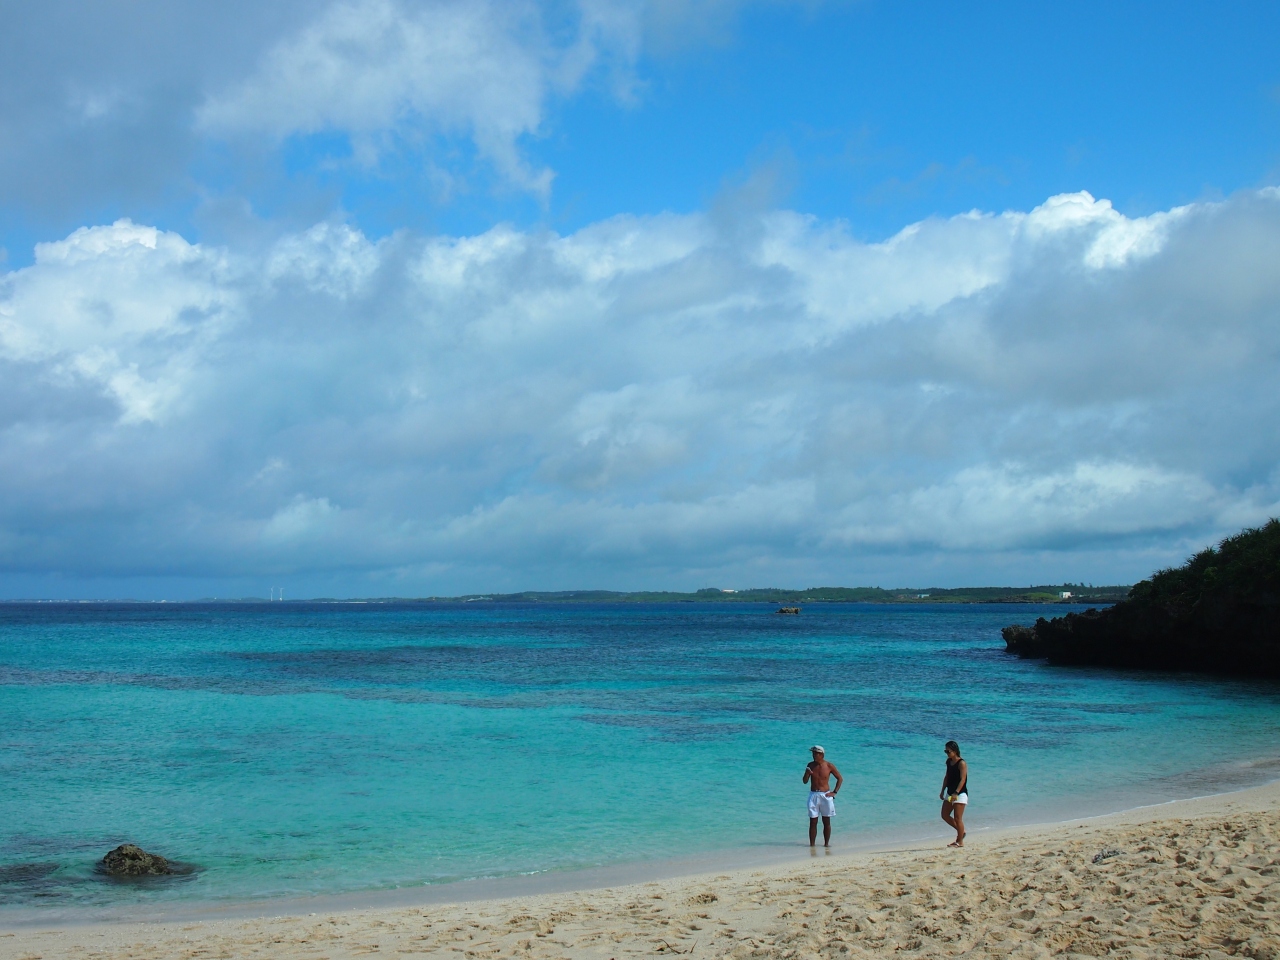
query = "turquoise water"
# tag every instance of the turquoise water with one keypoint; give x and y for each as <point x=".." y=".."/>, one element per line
<point x="294" y="749"/>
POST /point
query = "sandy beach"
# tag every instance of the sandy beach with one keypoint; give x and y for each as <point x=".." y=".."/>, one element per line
<point x="1196" y="878"/>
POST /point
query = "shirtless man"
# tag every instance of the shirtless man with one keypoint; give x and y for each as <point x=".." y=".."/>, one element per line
<point x="822" y="797"/>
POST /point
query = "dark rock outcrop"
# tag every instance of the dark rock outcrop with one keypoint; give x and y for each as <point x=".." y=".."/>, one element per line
<point x="1020" y="640"/>
<point x="128" y="860"/>
<point x="1218" y="613"/>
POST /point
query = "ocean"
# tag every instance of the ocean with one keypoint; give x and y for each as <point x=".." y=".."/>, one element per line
<point x="296" y="749"/>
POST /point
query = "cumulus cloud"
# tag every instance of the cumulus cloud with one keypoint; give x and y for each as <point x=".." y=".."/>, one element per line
<point x="127" y="307"/>
<point x="645" y="401"/>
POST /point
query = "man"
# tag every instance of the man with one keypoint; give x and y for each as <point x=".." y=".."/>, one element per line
<point x="822" y="797"/>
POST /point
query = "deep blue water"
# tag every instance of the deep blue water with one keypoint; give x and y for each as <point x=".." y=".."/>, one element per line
<point x="296" y="748"/>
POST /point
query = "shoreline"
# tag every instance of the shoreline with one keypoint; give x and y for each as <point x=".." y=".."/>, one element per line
<point x="1006" y="848"/>
<point x="924" y="834"/>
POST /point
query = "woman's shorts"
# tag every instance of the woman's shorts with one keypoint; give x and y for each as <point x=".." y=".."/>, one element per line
<point x="961" y="798"/>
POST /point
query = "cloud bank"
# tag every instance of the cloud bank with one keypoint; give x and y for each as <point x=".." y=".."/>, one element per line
<point x="739" y="397"/>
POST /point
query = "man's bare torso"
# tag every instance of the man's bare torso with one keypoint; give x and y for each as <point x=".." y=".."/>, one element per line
<point x="819" y="775"/>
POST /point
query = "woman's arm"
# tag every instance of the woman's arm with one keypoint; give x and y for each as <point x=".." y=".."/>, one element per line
<point x="964" y="777"/>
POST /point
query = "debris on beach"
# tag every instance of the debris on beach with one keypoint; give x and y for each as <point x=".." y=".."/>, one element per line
<point x="1106" y="855"/>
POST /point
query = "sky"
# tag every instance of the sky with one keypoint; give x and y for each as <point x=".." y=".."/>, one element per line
<point x="392" y="298"/>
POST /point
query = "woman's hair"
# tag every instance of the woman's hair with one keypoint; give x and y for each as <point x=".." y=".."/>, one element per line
<point x="952" y="746"/>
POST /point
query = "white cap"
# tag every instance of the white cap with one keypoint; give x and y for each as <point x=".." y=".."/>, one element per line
<point x="817" y="749"/>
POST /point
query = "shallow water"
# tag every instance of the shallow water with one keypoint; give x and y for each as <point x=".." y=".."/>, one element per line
<point x="295" y="749"/>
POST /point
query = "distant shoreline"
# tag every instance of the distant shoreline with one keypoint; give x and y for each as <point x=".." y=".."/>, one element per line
<point x="960" y="595"/>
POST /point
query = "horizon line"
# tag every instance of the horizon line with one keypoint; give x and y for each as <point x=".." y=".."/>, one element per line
<point x="710" y="594"/>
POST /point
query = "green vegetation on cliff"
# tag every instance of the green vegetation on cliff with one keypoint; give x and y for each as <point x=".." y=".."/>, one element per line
<point x="1219" y="612"/>
<point x="1243" y="569"/>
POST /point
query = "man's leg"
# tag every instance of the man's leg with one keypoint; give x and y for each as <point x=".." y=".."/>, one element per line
<point x="826" y="831"/>
<point x="813" y="831"/>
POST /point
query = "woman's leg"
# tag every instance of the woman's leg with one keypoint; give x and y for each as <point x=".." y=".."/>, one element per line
<point x="958" y="822"/>
<point x="947" y="818"/>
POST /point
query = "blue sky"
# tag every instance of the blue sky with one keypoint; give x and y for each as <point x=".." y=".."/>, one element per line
<point x="381" y="297"/>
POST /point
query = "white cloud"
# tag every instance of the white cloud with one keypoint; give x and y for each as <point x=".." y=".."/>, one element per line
<point x="1003" y="506"/>
<point x="111" y="106"/>
<point x="1114" y="239"/>
<point x="304" y="517"/>
<point x="330" y="257"/>
<point x="386" y="72"/>
<point x="648" y="400"/>
<point x="126" y="306"/>
<point x="376" y="69"/>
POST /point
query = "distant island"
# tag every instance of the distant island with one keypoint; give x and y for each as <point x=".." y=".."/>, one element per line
<point x="1217" y="613"/>
<point x="1064" y="593"/>
<point x="1076" y="593"/>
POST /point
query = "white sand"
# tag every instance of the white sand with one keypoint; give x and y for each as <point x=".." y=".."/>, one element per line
<point x="1198" y="878"/>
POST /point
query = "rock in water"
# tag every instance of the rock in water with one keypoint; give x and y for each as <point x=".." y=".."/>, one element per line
<point x="1020" y="640"/>
<point x="128" y="860"/>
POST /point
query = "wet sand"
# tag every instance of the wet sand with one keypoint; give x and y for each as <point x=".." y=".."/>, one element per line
<point x="1196" y="878"/>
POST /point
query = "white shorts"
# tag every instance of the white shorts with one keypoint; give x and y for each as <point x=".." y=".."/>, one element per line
<point x="820" y="805"/>
<point x="961" y="798"/>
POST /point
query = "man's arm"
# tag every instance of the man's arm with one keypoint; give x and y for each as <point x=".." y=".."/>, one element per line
<point x="808" y="769"/>
<point x="839" y="780"/>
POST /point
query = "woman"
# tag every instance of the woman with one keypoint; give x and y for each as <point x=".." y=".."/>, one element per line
<point x="955" y="791"/>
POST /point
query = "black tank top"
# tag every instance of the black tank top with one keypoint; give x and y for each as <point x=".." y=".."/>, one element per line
<point x="953" y="778"/>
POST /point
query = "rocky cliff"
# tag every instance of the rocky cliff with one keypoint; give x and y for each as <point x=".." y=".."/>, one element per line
<point x="1219" y="612"/>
